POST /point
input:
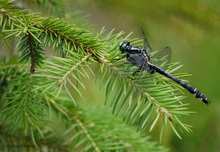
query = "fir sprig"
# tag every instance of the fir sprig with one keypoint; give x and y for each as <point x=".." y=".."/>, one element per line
<point x="80" y="130"/>
<point x="32" y="101"/>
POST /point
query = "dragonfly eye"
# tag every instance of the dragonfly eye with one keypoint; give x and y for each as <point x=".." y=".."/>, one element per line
<point x="123" y="46"/>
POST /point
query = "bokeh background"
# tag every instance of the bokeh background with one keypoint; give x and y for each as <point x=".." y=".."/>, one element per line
<point x="192" y="29"/>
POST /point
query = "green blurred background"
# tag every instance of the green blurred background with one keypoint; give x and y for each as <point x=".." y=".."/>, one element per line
<point x="192" y="29"/>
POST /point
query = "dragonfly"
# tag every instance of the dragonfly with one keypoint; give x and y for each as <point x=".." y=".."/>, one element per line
<point x="140" y="57"/>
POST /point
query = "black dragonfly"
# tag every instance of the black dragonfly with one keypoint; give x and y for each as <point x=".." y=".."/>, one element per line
<point x="140" y="57"/>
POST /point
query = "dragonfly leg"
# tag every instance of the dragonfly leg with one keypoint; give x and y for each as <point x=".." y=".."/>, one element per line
<point x="151" y="71"/>
<point x="136" y="71"/>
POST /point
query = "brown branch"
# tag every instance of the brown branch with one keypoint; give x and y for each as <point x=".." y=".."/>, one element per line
<point x="30" y="42"/>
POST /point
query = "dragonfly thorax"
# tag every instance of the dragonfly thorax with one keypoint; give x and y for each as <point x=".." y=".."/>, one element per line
<point x="125" y="47"/>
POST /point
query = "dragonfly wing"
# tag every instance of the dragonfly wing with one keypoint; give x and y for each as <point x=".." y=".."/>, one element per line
<point x="146" y="43"/>
<point x="163" y="56"/>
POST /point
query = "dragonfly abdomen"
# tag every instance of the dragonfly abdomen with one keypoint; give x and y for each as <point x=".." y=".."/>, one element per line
<point x="191" y="89"/>
<point x="198" y="94"/>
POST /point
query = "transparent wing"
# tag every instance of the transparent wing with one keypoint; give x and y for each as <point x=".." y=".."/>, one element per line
<point x="162" y="57"/>
<point x="146" y="43"/>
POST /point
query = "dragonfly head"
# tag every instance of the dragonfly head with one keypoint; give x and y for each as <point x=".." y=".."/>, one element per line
<point x="124" y="46"/>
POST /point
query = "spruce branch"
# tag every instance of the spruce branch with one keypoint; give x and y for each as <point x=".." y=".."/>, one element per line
<point x="142" y="100"/>
<point x="79" y="131"/>
<point x="61" y="35"/>
<point x="62" y="71"/>
<point x="65" y="40"/>
<point x="75" y="118"/>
